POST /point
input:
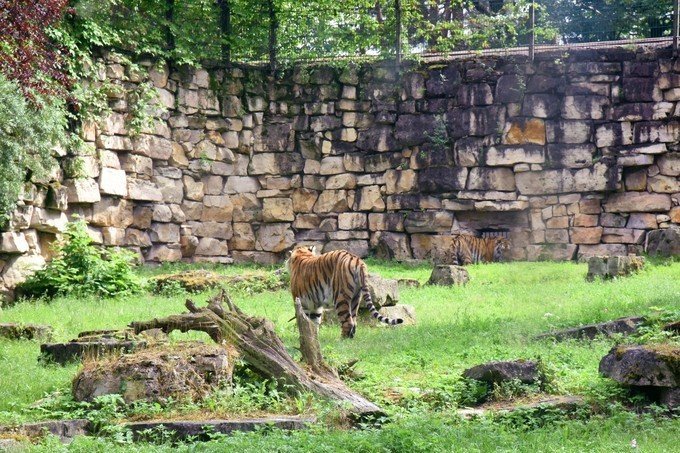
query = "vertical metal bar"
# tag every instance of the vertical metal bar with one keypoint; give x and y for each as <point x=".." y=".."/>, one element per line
<point x="397" y="14"/>
<point x="532" y="35"/>
<point x="169" y="17"/>
<point x="273" y="26"/>
<point x="676" y="24"/>
<point x="225" y="30"/>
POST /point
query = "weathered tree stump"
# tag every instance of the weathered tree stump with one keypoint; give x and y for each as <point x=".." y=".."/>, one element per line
<point x="255" y="340"/>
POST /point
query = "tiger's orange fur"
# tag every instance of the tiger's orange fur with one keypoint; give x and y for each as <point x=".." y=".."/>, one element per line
<point x="337" y="277"/>
<point x="468" y="249"/>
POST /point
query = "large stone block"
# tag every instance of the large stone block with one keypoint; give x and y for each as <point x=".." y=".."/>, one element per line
<point x="571" y="156"/>
<point x="143" y="190"/>
<point x="113" y="182"/>
<point x="428" y="222"/>
<point x="664" y="184"/>
<point x="13" y="242"/>
<point x="511" y="155"/>
<point x="442" y="179"/>
<point x="541" y="105"/>
<point x="391" y="246"/>
<point x="276" y="164"/>
<point x="584" y="107"/>
<point x="443" y="82"/>
<point x="476" y="121"/>
<point x="164" y="232"/>
<point x="482" y="178"/>
<point x="524" y="131"/>
<point x="369" y="198"/>
<point x="277" y="210"/>
<point x="510" y="88"/>
<point x="414" y="129"/>
<point x="637" y="202"/>
<point x="586" y="235"/>
<point x="598" y="178"/>
<point x="669" y="164"/>
<point x="153" y="146"/>
<point x="84" y="190"/>
<point x="274" y="237"/>
<point x="565" y="131"/>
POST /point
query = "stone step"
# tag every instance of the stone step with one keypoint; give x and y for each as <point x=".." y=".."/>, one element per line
<point x="201" y="429"/>
<point x="625" y="326"/>
<point x="565" y="403"/>
<point x="65" y="430"/>
<point x="64" y="353"/>
<point x="17" y="331"/>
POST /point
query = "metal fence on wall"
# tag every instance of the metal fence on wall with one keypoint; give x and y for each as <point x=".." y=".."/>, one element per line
<point x="406" y="29"/>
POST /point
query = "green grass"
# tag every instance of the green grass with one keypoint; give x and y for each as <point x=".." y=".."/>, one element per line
<point x="494" y="317"/>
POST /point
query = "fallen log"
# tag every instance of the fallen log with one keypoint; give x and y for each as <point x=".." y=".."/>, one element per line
<point x="256" y="342"/>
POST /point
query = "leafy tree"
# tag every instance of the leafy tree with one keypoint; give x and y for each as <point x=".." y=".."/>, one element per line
<point x="27" y="52"/>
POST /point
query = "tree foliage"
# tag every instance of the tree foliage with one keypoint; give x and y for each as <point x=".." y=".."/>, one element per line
<point x="27" y="53"/>
<point x="28" y="132"/>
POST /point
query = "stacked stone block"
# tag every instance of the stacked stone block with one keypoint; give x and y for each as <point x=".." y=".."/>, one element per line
<point x="572" y="156"/>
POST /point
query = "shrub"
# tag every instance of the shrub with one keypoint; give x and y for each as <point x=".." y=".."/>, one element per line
<point x="27" y="135"/>
<point x="80" y="267"/>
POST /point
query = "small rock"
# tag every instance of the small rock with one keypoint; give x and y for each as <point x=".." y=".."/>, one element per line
<point x="447" y="275"/>
<point x="613" y="266"/>
<point x="384" y="291"/>
<point x="409" y="282"/>
<point x="496" y="372"/>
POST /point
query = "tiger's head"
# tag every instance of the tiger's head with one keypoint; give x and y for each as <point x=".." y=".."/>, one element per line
<point x="299" y="252"/>
<point x="500" y="247"/>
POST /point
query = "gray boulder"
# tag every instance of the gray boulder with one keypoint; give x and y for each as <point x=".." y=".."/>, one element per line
<point x="613" y="266"/>
<point x="653" y="370"/>
<point x="446" y="275"/>
<point x="665" y="242"/>
<point x="384" y="291"/>
<point x="525" y="371"/>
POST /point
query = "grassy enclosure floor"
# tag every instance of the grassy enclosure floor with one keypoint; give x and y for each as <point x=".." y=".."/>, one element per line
<point x="412" y="371"/>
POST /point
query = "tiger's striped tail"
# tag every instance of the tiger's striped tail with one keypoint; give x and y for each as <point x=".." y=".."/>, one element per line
<point x="369" y="304"/>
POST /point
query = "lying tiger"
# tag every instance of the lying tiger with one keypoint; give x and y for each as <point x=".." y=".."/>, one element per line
<point x="468" y="249"/>
<point x="338" y="277"/>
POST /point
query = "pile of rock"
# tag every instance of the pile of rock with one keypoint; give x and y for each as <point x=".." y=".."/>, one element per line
<point x="187" y="370"/>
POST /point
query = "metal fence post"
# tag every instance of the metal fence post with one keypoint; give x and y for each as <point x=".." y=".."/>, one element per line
<point x="676" y="25"/>
<point x="397" y="14"/>
<point x="225" y="30"/>
<point x="273" y="26"/>
<point x="532" y="35"/>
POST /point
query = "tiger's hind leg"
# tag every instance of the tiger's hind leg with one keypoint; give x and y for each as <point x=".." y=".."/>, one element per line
<point x="344" y="309"/>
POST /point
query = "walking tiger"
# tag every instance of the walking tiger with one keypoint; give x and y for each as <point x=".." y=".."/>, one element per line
<point x="468" y="249"/>
<point x="337" y="277"/>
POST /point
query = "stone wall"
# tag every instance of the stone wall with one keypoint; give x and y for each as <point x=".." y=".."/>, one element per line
<point x="574" y="155"/>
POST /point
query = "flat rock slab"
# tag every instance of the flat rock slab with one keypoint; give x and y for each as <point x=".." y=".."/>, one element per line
<point x="18" y="331"/>
<point x="201" y="429"/>
<point x="525" y="371"/>
<point x="625" y="326"/>
<point x="607" y="267"/>
<point x="63" y="353"/>
<point x="66" y="430"/>
<point x="565" y="403"/>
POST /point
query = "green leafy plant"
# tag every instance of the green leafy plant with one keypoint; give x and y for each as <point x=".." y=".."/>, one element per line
<point x="28" y="133"/>
<point x="80" y="267"/>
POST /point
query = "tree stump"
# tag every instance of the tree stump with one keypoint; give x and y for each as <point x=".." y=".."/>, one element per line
<point x="255" y="340"/>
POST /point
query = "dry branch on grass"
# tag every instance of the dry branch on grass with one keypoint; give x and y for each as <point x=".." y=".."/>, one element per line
<point x="258" y="344"/>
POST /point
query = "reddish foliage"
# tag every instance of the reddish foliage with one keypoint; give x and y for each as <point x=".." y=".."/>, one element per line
<point x="27" y="54"/>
